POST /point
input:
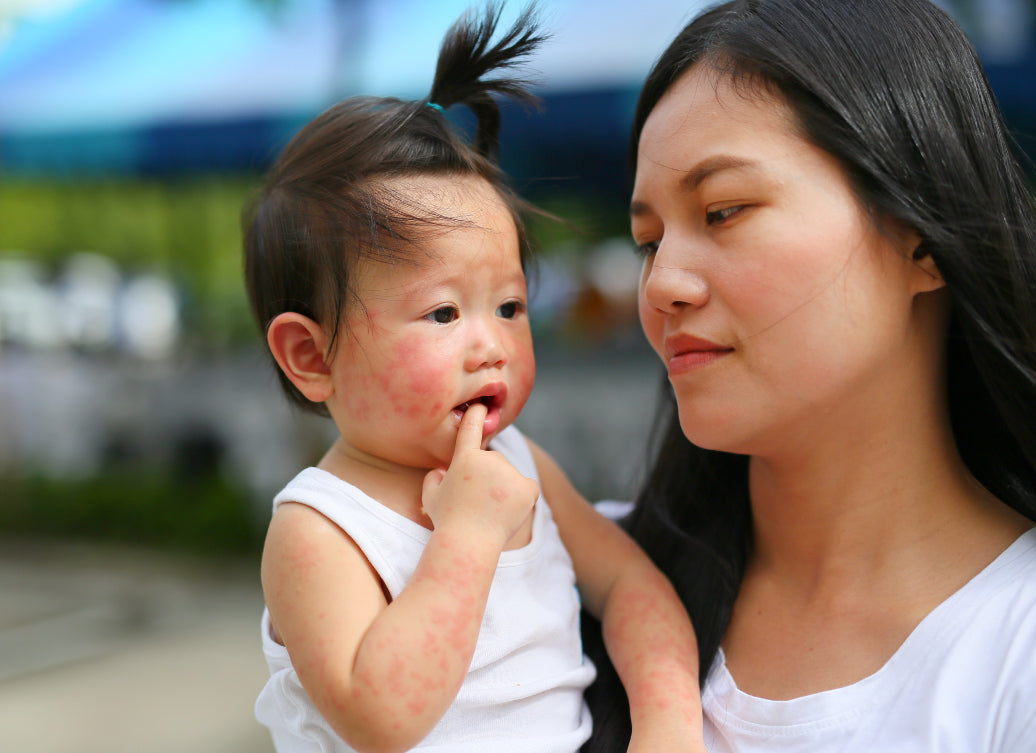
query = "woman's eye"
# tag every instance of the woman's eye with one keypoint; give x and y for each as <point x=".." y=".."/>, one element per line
<point x="720" y="215"/>
<point x="510" y="310"/>
<point x="647" y="249"/>
<point x="443" y="315"/>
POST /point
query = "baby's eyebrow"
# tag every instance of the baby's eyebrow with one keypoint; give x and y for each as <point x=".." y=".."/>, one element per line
<point x="430" y="283"/>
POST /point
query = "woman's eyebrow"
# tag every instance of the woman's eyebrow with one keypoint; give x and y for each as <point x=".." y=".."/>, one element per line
<point x="698" y="174"/>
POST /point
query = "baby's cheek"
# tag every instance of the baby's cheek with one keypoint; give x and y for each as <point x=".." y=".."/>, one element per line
<point x="356" y="401"/>
<point x="523" y="365"/>
<point x="417" y="376"/>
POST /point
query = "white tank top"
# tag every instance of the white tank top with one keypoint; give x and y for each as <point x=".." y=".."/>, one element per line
<point x="524" y="689"/>
<point x="964" y="681"/>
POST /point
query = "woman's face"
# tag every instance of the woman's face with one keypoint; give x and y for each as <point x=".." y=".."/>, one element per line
<point x="773" y="299"/>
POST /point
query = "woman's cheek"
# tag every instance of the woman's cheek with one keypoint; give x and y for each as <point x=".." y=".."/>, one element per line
<point x="651" y="324"/>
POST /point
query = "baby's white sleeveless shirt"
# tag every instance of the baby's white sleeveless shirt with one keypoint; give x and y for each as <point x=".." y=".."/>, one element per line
<point x="963" y="682"/>
<point x="524" y="689"/>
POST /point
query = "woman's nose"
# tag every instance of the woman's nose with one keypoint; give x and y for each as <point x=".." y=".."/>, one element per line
<point x="671" y="281"/>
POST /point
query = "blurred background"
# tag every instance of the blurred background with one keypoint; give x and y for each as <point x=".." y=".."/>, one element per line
<point x="141" y="431"/>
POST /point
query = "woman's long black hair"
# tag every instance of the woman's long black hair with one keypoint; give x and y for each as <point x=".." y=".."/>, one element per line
<point x="894" y="90"/>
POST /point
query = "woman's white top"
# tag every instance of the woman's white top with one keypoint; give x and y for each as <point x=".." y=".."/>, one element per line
<point x="524" y="689"/>
<point x="963" y="682"/>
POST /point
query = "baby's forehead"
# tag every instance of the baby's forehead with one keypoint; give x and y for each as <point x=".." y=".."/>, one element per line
<point x="441" y="196"/>
<point x="461" y="258"/>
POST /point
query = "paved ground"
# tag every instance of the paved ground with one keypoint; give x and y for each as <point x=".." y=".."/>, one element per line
<point x="107" y="650"/>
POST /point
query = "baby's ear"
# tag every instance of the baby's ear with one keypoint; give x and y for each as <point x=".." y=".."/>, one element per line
<point x="298" y="344"/>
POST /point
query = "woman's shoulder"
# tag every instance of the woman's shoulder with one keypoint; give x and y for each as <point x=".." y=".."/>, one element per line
<point x="1014" y="570"/>
<point x="1002" y="597"/>
<point x="988" y="629"/>
<point x="989" y="650"/>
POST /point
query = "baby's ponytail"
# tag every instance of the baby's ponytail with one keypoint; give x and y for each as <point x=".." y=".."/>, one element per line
<point x="466" y="57"/>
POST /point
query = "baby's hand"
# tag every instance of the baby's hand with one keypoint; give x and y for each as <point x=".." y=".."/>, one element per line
<point x="481" y="488"/>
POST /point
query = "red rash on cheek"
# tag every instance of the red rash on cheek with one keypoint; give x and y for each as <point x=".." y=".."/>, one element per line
<point x="416" y="359"/>
<point x="363" y="410"/>
<point x="412" y="376"/>
<point x="527" y="380"/>
<point x="524" y="366"/>
<point x="355" y="397"/>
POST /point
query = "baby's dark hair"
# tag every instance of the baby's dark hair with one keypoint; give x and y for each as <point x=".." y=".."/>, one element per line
<point x="328" y="201"/>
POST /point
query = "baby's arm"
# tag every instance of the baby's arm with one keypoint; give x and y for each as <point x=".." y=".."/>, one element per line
<point x="646" y="629"/>
<point x="381" y="673"/>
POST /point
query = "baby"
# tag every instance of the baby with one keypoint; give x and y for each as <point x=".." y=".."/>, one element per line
<point x="421" y="581"/>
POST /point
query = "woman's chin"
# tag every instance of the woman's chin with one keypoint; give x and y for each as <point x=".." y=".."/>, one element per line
<point x="711" y="433"/>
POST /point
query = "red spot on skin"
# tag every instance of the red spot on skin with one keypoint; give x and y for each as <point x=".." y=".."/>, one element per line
<point x="420" y="360"/>
<point x="498" y="493"/>
<point x="356" y="400"/>
<point x="417" y="705"/>
<point x="362" y="409"/>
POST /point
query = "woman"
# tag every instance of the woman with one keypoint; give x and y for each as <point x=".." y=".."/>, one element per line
<point x="840" y="276"/>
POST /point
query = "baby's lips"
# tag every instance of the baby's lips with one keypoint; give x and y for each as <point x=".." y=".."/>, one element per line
<point x="492" y="396"/>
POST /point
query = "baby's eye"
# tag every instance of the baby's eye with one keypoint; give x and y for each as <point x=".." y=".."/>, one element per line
<point x="718" y="216"/>
<point x="443" y="315"/>
<point x="511" y="309"/>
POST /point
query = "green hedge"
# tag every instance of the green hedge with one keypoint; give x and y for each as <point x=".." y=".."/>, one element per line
<point x="205" y="515"/>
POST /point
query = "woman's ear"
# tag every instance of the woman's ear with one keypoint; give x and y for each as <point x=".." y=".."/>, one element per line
<point x="299" y="345"/>
<point x="925" y="276"/>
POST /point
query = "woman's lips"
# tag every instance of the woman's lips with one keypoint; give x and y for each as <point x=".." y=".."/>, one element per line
<point x="686" y="353"/>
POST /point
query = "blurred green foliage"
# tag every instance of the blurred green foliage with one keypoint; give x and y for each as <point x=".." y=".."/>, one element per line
<point x="207" y="515"/>
<point x="188" y="230"/>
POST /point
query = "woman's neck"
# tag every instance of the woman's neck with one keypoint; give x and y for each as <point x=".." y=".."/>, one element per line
<point x="854" y="544"/>
<point x="862" y="502"/>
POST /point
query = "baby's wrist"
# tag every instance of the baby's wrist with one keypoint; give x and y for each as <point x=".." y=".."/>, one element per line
<point x="471" y="537"/>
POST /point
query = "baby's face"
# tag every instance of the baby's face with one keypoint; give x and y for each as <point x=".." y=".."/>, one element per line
<point x="436" y="333"/>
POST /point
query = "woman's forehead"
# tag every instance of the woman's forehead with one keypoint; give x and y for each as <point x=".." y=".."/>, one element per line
<point x="705" y="123"/>
<point x="705" y="93"/>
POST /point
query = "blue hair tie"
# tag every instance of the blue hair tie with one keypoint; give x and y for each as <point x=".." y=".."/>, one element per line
<point x="435" y="106"/>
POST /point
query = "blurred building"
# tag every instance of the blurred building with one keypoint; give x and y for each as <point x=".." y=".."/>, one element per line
<point x="174" y="86"/>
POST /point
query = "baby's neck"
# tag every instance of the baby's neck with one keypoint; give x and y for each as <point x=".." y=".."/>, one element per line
<point x="394" y="486"/>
